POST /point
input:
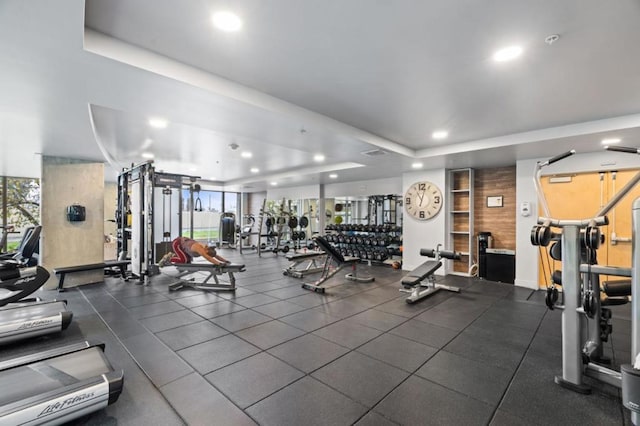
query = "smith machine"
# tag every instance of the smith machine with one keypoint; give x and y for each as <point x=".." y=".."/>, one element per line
<point x="149" y="215"/>
<point x="585" y="320"/>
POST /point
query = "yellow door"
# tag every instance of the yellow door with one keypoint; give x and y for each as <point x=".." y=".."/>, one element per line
<point x="581" y="196"/>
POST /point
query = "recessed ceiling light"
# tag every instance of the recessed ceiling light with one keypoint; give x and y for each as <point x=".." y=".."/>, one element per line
<point x="610" y="141"/>
<point x="255" y="170"/>
<point x="246" y="154"/>
<point x="147" y="143"/>
<point x="212" y="178"/>
<point x="507" y="54"/>
<point x="333" y="176"/>
<point x="226" y="21"/>
<point x="440" y="134"/>
<point x="318" y="157"/>
<point x="417" y="165"/>
<point x="274" y="183"/>
<point x="148" y="155"/>
<point x="158" y="123"/>
<point x="193" y="169"/>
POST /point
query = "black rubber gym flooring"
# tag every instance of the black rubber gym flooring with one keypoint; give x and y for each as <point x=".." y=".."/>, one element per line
<point x="275" y="354"/>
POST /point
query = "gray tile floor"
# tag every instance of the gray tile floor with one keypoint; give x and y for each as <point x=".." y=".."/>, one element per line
<point x="275" y="354"/>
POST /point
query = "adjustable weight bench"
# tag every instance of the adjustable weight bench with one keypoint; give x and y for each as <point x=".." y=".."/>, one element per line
<point x="414" y="282"/>
<point x="333" y="263"/>
<point x="296" y="259"/>
<point x="210" y="271"/>
<point x="120" y="264"/>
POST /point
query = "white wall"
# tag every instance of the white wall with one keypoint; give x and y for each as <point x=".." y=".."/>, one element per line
<point x="364" y="188"/>
<point x="295" y="193"/>
<point x="419" y="234"/>
<point x="526" y="253"/>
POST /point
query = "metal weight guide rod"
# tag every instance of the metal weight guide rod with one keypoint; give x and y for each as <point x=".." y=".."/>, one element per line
<point x="576" y="354"/>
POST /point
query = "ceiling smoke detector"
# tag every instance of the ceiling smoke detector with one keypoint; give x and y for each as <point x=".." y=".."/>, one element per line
<point x="550" y="39"/>
<point x="234" y="146"/>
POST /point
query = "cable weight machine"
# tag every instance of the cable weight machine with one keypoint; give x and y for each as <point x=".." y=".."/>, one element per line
<point x="583" y="318"/>
<point x="149" y="215"/>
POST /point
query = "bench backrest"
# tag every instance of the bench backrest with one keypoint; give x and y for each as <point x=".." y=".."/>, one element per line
<point x="328" y="248"/>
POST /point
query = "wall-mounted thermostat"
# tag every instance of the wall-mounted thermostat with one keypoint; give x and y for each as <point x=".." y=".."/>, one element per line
<point x="525" y="209"/>
<point x="76" y="213"/>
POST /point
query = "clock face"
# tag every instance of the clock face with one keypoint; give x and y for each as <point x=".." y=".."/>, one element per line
<point x="423" y="200"/>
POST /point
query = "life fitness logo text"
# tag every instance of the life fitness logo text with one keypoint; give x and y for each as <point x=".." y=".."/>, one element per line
<point x="33" y="324"/>
<point x="24" y="280"/>
<point x="69" y="402"/>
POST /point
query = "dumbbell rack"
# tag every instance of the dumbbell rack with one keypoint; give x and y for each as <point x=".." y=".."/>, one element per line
<point x="374" y="243"/>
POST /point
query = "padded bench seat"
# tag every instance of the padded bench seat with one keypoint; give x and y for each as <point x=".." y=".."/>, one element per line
<point x="201" y="266"/>
<point x="121" y="264"/>
<point x="420" y="273"/>
<point x="293" y="257"/>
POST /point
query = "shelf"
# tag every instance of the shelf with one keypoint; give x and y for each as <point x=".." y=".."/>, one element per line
<point x="460" y="225"/>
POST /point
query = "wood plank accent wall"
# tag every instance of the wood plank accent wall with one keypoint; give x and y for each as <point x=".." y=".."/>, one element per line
<point x="500" y="221"/>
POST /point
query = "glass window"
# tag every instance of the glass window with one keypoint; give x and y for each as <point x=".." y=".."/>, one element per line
<point x="20" y="207"/>
<point x="231" y="202"/>
<point x="207" y="206"/>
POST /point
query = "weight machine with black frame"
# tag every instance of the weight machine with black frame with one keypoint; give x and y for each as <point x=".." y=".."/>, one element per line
<point x="143" y="234"/>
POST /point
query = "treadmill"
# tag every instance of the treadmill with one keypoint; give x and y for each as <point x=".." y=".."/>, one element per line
<point x="25" y="319"/>
<point x="58" y="385"/>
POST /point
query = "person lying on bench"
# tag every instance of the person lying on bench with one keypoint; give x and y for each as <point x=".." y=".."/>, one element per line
<point x="185" y="249"/>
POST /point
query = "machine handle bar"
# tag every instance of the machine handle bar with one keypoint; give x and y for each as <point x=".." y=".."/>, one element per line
<point x="447" y="254"/>
<point x="626" y="149"/>
<point x="557" y="223"/>
<point x="559" y="157"/>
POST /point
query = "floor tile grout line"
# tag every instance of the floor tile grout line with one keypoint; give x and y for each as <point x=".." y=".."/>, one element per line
<point x="515" y="372"/>
<point x="349" y="350"/>
<point x="134" y="358"/>
<point x="431" y="357"/>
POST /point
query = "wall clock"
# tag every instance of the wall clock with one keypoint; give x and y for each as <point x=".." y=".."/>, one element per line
<point x="423" y="200"/>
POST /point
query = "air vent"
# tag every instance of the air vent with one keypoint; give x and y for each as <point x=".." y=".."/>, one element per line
<point x="374" y="152"/>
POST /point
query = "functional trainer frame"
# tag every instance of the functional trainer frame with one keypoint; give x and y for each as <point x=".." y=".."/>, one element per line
<point x="138" y="238"/>
<point x="579" y="348"/>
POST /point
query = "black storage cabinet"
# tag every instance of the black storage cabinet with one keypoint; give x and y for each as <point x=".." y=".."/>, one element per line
<point x="501" y="265"/>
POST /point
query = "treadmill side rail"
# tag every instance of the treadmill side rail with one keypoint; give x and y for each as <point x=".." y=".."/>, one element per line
<point x="51" y="353"/>
<point x="33" y="319"/>
<point x="70" y="404"/>
<point x="86" y="385"/>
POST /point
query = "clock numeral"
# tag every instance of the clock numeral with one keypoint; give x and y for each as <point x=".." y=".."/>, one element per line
<point x="421" y="214"/>
<point x="408" y="201"/>
<point x="422" y="186"/>
<point x="436" y="199"/>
